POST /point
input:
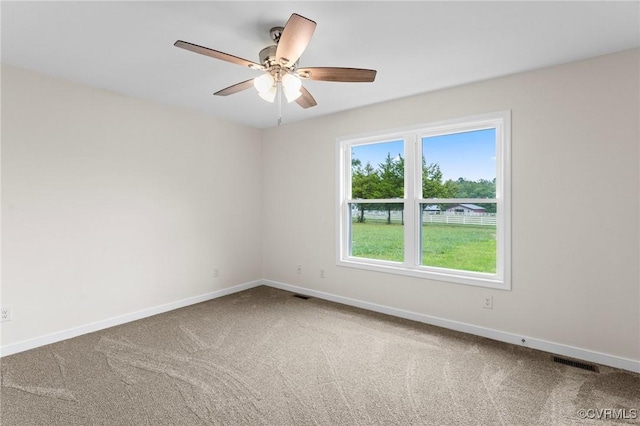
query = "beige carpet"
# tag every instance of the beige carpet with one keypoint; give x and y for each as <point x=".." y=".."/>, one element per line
<point x="264" y="357"/>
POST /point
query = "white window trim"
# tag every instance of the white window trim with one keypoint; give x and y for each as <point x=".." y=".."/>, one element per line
<point x="412" y="136"/>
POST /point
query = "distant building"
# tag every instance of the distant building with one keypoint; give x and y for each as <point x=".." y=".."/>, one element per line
<point x="432" y="209"/>
<point x="465" y="209"/>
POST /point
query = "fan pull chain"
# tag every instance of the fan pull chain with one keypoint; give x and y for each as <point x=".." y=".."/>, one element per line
<point x="279" y="94"/>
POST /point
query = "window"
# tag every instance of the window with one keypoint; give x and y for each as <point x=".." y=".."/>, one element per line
<point x="430" y="201"/>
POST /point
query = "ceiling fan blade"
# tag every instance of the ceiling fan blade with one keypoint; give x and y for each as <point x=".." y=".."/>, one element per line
<point x="349" y="75"/>
<point x="235" y="88"/>
<point x="306" y="100"/>
<point x="217" y="55"/>
<point x="294" y="39"/>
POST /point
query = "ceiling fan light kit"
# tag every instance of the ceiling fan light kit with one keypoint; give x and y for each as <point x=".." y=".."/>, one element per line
<point x="267" y="85"/>
<point x="264" y="83"/>
<point x="269" y="95"/>
<point x="279" y="63"/>
<point x="291" y="86"/>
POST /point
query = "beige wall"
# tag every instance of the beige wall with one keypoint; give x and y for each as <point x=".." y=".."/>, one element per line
<point x="575" y="205"/>
<point x="112" y="205"/>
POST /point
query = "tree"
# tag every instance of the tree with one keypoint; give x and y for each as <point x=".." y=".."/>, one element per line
<point x="365" y="183"/>
<point x="391" y="182"/>
<point x="481" y="188"/>
<point x="432" y="186"/>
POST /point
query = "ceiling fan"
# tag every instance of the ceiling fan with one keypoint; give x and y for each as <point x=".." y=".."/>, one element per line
<point x="280" y="65"/>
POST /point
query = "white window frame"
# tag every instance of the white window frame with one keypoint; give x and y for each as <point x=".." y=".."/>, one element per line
<point x="412" y="136"/>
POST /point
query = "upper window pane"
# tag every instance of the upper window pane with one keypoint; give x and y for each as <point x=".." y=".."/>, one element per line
<point x="377" y="170"/>
<point x="459" y="165"/>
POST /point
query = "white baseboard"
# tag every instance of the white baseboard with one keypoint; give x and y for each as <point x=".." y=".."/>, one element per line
<point x="542" y="345"/>
<point x="110" y="322"/>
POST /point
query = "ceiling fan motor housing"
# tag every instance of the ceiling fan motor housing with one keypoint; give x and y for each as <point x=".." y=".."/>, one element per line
<point x="268" y="56"/>
<point x="268" y="59"/>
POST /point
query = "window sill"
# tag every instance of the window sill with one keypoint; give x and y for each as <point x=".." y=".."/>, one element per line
<point x="445" y="275"/>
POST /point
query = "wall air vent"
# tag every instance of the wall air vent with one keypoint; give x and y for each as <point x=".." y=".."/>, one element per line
<point x="577" y="364"/>
<point x="301" y="296"/>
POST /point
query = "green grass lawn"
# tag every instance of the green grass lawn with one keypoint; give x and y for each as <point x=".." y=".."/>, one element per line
<point x="466" y="247"/>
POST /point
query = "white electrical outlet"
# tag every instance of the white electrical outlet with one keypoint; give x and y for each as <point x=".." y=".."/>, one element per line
<point x="299" y="269"/>
<point x="321" y="273"/>
<point x="5" y="314"/>
<point x="488" y="302"/>
<point x="216" y="272"/>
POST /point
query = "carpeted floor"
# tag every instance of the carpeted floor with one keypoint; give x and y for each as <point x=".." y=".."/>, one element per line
<point x="264" y="357"/>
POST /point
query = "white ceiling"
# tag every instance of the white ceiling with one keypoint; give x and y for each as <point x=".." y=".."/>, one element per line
<point x="417" y="47"/>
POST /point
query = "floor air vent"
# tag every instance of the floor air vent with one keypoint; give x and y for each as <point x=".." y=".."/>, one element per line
<point x="301" y="296"/>
<point x="576" y="364"/>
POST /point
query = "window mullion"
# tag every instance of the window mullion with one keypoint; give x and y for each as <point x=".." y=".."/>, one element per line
<point x="409" y="205"/>
<point x="417" y="244"/>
